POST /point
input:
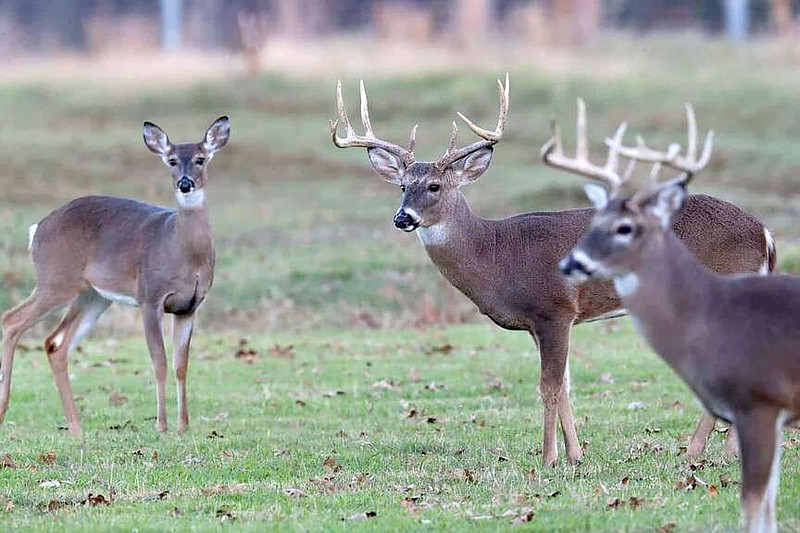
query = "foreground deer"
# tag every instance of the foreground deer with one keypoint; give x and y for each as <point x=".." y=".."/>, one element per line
<point x="97" y="250"/>
<point x="733" y="339"/>
<point x="508" y="267"/>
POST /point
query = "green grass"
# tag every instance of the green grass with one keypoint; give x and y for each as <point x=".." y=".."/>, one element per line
<point x="307" y="256"/>
<point x="468" y="458"/>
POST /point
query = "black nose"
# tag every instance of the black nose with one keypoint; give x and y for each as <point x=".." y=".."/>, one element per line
<point x="186" y="185"/>
<point x="569" y="265"/>
<point x="402" y="220"/>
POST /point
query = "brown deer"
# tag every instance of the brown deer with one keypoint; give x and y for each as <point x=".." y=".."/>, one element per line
<point x="509" y="267"/>
<point x="97" y="250"/>
<point x="733" y="339"/>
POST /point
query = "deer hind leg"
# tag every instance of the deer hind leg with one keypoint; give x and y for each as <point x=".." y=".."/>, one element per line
<point x="697" y="444"/>
<point x="76" y="324"/>
<point x="759" y="445"/>
<point x="182" y="327"/>
<point x="17" y="321"/>
<point x="553" y="341"/>
<point x="731" y="449"/>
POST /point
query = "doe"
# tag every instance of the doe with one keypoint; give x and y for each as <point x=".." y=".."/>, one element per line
<point x="96" y="250"/>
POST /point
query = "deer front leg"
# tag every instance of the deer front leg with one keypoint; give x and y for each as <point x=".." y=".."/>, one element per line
<point x="759" y="445"/>
<point x="697" y="444"/>
<point x="153" y="317"/>
<point x="182" y="327"/>
<point x="553" y="342"/>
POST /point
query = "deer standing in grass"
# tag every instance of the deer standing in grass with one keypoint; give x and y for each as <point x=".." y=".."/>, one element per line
<point x="509" y="267"/>
<point x="734" y="340"/>
<point x="97" y="250"/>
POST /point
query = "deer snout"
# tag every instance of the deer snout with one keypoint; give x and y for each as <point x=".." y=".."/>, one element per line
<point x="186" y="185"/>
<point x="577" y="266"/>
<point x="405" y="221"/>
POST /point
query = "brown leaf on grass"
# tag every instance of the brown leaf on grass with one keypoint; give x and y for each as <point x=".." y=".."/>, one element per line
<point x="300" y="403"/>
<point x="635" y="502"/>
<point x="410" y="505"/>
<point x="7" y="462"/>
<point x="532" y="476"/>
<point x="287" y="352"/>
<point x="667" y="528"/>
<point x="652" y="430"/>
<point x="725" y="481"/>
<point x="615" y="503"/>
<point x="117" y="399"/>
<point x="469" y="475"/>
<point x="93" y="500"/>
<point x="413" y="375"/>
<point x="330" y="464"/>
<point x="411" y="413"/>
<point x="362" y="516"/>
<point x="295" y="493"/>
<point x="677" y="405"/>
<point x="228" y="454"/>
<point x="712" y="490"/>
<point x="215" y="435"/>
<point x="9" y="506"/>
<point x="690" y="483"/>
<point x="445" y="348"/>
<point x="55" y="505"/>
<point x="698" y="465"/>
<point x="48" y="458"/>
<point x="246" y="355"/>
<point x="225" y="513"/>
<point x="624" y="481"/>
<point x="497" y="452"/>
<point x="384" y="384"/>
<point x="154" y="457"/>
<point x="175" y="512"/>
<point x="333" y="393"/>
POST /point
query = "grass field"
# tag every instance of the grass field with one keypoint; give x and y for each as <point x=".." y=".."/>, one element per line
<point x="372" y="386"/>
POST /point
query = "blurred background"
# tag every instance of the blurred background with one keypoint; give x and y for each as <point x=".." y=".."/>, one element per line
<point x="303" y="230"/>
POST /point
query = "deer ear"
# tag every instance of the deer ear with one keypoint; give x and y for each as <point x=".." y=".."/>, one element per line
<point x="155" y="139"/>
<point x="665" y="202"/>
<point x="217" y="135"/>
<point x="469" y="168"/>
<point x="387" y="164"/>
<point x="597" y="194"/>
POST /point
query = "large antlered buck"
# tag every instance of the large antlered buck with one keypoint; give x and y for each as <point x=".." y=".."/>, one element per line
<point x="735" y="340"/>
<point x="509" y="267"/>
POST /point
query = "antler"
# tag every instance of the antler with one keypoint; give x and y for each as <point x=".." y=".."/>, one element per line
<point x="671" y="158"/>
<point x="490" y="138"/>
<point x="368" y="140"/>
<point x="553" y="154"/>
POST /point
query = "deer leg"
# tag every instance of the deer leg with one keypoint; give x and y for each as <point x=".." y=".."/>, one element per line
<point x="759" y="444"/>
<point x="76" y="324"/>
<point x="573" y="447"/>
<point x="697" y="444"/>
<point x="153" y="317"/>
<point x="17" y="321"/>
<point x="182" y="327"/>
<point x="553" y="341"/>
<point x="731" y="449"/>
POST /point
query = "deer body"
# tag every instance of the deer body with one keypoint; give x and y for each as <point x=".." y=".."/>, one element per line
<point x="508" y="267"/>
<point x="97" y="250"/>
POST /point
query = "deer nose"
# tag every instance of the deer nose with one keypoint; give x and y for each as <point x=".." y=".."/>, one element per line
<point x="186" y="185"/>
<point x="572" y="267"/>
<point x="404" y="221"/>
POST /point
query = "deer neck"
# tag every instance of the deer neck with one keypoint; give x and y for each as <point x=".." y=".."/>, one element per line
<point x="666" y="293"/>
<point x="457" y="243"/>
<point x="194" y="233"/>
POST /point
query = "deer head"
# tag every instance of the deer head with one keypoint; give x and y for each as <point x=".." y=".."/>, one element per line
<point x="429" y="188"/>
<point x="188" y="161"/>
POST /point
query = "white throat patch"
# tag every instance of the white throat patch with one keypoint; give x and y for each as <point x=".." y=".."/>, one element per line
<point x="193" y="200"/>
<point x="433" y="235"/>
<point x="626" y="284"/>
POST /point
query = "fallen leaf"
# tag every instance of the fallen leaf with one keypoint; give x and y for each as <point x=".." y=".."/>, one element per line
<point x="225" y="488"/>
<point x="225" y="513"/>
<point x="667" y="528"/>
<point x="154" y="457"/>
<point x="725" y="480"/>
<point x="615" y="503"/>
<point x="215" y="435"/>
<point x="228" y="454"/>
<point x="441" y="348"/>
<point x="524" y="518"/>
<point x="384" y="384"/>
<point x="300" y="403"/>
<point x="469" y="475"/>
<point x="9" y="506"/>
<point x="295" y="493"/>
<point x="282" y="351"/>
<point x="48" y="458"/>
<point x="7" y="462"/>
<point x="624" y="481"/>
<point x="712" y="490"/>
<point x="635" y="502"/>
<point x="331" y="464"/>
<point x="175" y="512"/>
<point x="94" y="500"/>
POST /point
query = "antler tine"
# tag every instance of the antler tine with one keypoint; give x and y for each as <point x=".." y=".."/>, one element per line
<point x="489" y="138"/>
<point x="672" y="158"/>
<point x="368" y="140"/>
<point x="412" y="139"/>
<point x="553" y="155"/>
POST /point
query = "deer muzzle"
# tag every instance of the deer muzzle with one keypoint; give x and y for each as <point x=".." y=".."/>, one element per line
<point x="405" y="221"/>
<point x="577" y="265"/>
<point x="186" y="185"/>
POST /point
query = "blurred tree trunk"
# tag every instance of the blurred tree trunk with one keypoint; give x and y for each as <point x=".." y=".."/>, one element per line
<point x="472" y="20"/>
<point x="782" y="17"/>
<point x="575" y="21"/>
<point x="301" y="18"/>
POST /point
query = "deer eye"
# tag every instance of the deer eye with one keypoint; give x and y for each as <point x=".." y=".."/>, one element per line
<point x="173" y="162"/>
<point x="200" y="161"/>
<point x="433" y="187"/>
<point x="624" y="229"/>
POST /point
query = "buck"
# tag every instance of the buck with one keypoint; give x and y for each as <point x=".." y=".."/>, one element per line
<point x="733" y="339"/>
<point x="97" y="250"/>
<point x="509" y="267"/>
